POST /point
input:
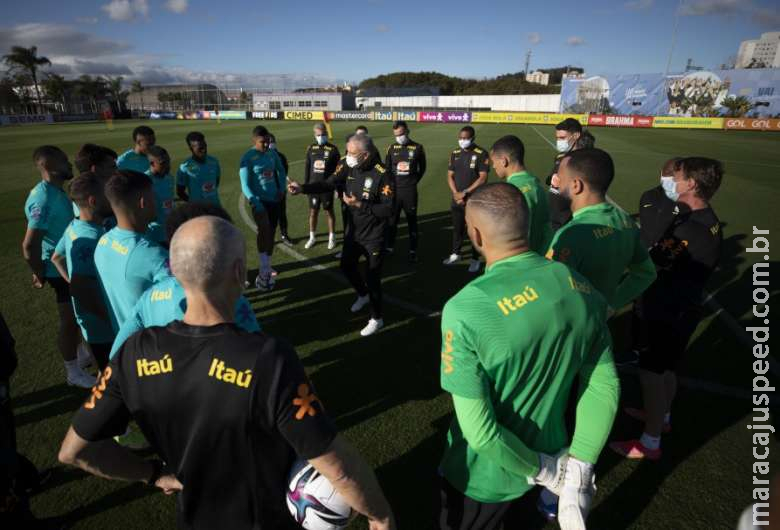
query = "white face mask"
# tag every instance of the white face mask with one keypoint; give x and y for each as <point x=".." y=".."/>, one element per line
<point x="670" y="187"/>
<point x="562" y="145"/>
<point x="322" y="139"/>
<point x="272" y="145"/>
<point x="401" y="139"/>
<point x="352" y="161"/>
<point x="464" y="144"/>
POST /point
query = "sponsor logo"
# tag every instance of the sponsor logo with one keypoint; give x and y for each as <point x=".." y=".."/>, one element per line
<point x="98" y="389"/>
<point x="116" y="246"/>
<point x="387" y="191"/>
<point x="146" y="367"/>
<point x="305" y="402"/>
<point x="26" y="119"/>
<point x="208" y="187"/>
<point x="161" y="296"/>
<point x="304" y="115"/>
<point x="220" y="372"/>
<point x="167" y="204"/>
<point x="509" y="305"/>
<point x="578" y="286"/>
<point x="756" y="124"/>
<point x="353" y="116"/>
<point x="319" y="166"/>
<point x="620" y="121"/>
<point x="402" y="168"/>
<point x="383" y="116"/>
<point x="446" y="355"/>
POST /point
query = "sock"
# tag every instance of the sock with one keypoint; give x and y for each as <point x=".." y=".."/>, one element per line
<point x="651" y="442"/>
<point x="667" y="418"/>
<point x="311" y="235"/>
<point x="331" y="236"/>
<point x="72" y="367"/>
<point x="265" y="262"/>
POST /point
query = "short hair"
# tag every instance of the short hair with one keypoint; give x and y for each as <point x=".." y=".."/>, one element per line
<point x="361" y="128"/>
<point x="44" y="153"/>
<point x="706" y="172"/>
<point x="125" y="186"/>
<point x="160" y="153"/>
<point x="142" y="130"/>
<point x="86" y="185"/>
<point x="259" y="131"/>
<point x="320" y="127"/>
<point x="672" y="162"/>
<point x="594" y="166"/>
<point x="194" y="136"/>
<point x="92" y="155"/>
<point x="586" y="140"/>
<point x="363" y="141"/>
<point x="511" y="146"/>
<point x="400" y="123"/>
<point x="469" y="129"/>
<point x="506" y="207"/>
<point x="190" y="210"/>
<point x="570" y="125"/>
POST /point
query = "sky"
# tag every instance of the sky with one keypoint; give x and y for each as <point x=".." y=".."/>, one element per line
<point x="259" y="44"/>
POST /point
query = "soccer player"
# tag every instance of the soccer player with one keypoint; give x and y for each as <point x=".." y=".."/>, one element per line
<point x="468" y="169"/>
<point x="74" y="258"/>
<point x="601" y="242"/>
<point x="162" y="183"/>
<point x="135" y="159"/>
<point x="127" y="261"/>
<point x="405" y="159"/>
<point x="322" y="158"/>
<point x="283" y="224"/>
<point x="97" y="159"/>
<point x="685" y="254"/>
<point x="369" y="194"/>
<point x="510" y="370"/>
<point x="567" y="135"/>
<point x="508" y="158"/>
<point x="263" y="184"/>
<point x="198" y="177"/>
<point x="230" y="411"/>
<point x="49" y="212"/>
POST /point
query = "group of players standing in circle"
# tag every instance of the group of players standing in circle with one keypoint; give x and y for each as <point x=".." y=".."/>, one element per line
<point x="157" y="291"/>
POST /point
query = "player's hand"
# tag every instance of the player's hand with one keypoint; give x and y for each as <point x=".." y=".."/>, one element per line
<point x="459" y="197"/>
<point x="293" y="187"/>
<point x="37" y="281"/>
<point x="385" y="524"/>
<point x="352" y="201"/>
<point x="169" y="484"/>
<point x="552" y="471"/>
<point x="577" y="492"/>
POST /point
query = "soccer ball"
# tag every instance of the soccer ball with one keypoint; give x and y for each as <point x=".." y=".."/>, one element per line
<point x="313" y="501"/>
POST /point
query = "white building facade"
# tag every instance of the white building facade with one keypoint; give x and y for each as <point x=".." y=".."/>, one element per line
<point x="765" y="51"/>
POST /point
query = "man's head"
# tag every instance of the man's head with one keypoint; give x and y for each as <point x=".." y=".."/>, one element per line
<point x="53" y="163"/>
<point x="159" y="160"/>
<point x="698" y="176"/>
<point x="87" y="192"/>
<point x="567" y="133"/>
<point x="508" y="156"/>
<point x="358" y="149"/>
<point x="466" y="137"/>
<point x="96" y="159"/>
<point x="667" y="170"/>
<point x="260" y="138"/>
<point x="190" y="210"/>
<point x="401" y="132"/>
<point x="208" y="257"/>
<point x="585" y="172"/>
<point x="320" y="133"/>
<point x="131" y="196"/>
<point x="361" y="129"/>
<point x="196" y="141"/>
<point x="271" y="141"/>
<point x="497" y="220"/>
<point x="143" y="138"/>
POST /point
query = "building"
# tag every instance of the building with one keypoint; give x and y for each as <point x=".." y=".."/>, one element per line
<point x="334" y="101"/>
<point x="761" y="53"/>
<point x="186" y="97"/>
<point x="540" y="78"/>
<point x="519" y="102"/>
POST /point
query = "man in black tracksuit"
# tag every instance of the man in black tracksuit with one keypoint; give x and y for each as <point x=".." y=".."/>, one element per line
<point x="405" y="159"/>
<point x="369" y="192"/>
<point x="322" y="158"/>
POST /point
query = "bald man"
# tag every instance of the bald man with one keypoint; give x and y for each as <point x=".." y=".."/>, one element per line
<point x="228" y="410"/>
<point x="510" y="369"/>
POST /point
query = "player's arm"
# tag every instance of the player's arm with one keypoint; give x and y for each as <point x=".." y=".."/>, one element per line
<point x="338" y="178"/>
<point x="639" y="275"/>
<point x="354" y="479"/>
<point x="181" y="185"/>
<point x="281" y="174"/>
<point x="285" y="163"/>
<point x="245" y="317"/>
<point x="482" y="171"/>
<point x="59" y="260"/>
<point x="383" y="206"/>
<point x="389" y="159"/>
<point x="307" y="166"/>
<point x="244" y="176"/>
<point x="130" y="326"/>
<point x="451" y="175"/>
<point x="31" y="250"/>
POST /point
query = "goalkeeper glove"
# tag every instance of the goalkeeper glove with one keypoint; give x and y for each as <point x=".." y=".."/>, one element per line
<point x="579" y="486"/>
<point x="551" y="471"/>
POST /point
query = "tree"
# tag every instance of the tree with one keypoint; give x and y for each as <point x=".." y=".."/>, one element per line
<point x="92" y="88"/>
<point x="114" y="86"/>
<point x="9" y="99"/>
<point x="56" y="88"/>
<point x="26" y="60"/>
<point x="137" y="88"/>
<point x="163" y="98"/>
<point x="737" y="107"/>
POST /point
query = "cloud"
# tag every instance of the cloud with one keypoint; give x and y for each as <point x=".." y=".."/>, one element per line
<point x="126" y="10"/>
<point x="177" y="6"/>
<point x="769" y="18"/>
<point x="711" y="7"/>
<point x="534" y="38"/>
<point x="59" y="40"/>
<point x="575" y="41"/>
<point x="382" y="28"/>
<point x="87" y="20"/>
<point x="639" y="5"/>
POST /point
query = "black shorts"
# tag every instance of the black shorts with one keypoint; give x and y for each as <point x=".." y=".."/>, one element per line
<point x="273" y="210"/>
<point x="321" y="200"/>
<point x="61" y="289"/>
<point x="459" y="512"/>
<point x="667" y="341"/>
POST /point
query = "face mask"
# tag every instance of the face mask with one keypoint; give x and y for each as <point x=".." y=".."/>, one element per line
<point x="562" y="145"/>
<point x="322" y="139"/>
<point x="272" y="145"/>
<point x="352" y="161"/>
<point x="670" y="187"/>
<point x="402" y="139"/>
<point x="464" y="144"/>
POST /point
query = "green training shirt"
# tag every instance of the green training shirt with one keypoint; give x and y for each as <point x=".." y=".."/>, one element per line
<point x="602" y="243"/>
<point x="518" y="336"/>
<point x="535" y="195"/>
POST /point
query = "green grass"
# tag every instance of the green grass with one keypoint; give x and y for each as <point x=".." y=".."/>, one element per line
<point x="383" y="391"/>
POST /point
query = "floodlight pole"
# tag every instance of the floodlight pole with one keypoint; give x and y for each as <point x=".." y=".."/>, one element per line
<point x="674" y="38"/>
